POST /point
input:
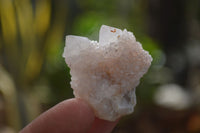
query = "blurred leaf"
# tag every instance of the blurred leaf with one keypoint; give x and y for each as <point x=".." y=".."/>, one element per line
<point x="9" y="28"/>
<point x="42" y="16"/>
<point x="8" y="23"/>
<point x="33" y="65"/>
<point x="8" y="89"/>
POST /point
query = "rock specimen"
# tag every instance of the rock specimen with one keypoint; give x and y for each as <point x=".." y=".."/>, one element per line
<point x="106" y="73"/>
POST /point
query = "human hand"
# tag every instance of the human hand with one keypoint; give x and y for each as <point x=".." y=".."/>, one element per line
<point x="69" y="116"/>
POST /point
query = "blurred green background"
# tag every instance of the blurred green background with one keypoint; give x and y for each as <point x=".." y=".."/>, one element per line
<point x="34" y="76"/>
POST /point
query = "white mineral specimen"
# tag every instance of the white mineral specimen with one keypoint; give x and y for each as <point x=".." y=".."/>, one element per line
<point x="106" y="73"/>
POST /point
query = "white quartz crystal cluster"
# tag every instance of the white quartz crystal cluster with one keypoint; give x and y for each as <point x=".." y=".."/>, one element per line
<point x="106" y="73"/>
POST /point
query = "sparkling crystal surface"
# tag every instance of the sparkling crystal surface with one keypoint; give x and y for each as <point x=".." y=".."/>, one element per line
<point x="106" y="73"/>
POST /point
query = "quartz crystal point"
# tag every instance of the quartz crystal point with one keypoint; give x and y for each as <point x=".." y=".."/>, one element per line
<point x="106" y="73"/>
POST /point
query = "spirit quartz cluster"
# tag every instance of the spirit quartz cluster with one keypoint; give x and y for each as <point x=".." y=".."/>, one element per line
<point x="106" y="73"/>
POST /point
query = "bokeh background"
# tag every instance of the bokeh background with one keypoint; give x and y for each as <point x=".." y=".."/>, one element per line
<point x="34" y="76"/>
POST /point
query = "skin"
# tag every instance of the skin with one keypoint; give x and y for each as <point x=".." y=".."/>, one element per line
<point x="69" y="116"/>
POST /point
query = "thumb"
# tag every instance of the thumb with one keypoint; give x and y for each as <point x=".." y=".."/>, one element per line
<point x="69" y="116"/>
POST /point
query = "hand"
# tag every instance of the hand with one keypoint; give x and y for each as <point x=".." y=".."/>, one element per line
<point x="69" y="116"/>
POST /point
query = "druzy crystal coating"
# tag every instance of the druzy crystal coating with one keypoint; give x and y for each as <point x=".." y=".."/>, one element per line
<point x="106" y="73"/>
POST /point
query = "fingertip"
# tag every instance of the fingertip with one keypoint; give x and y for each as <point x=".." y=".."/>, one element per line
<point x="71" y="116"/>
